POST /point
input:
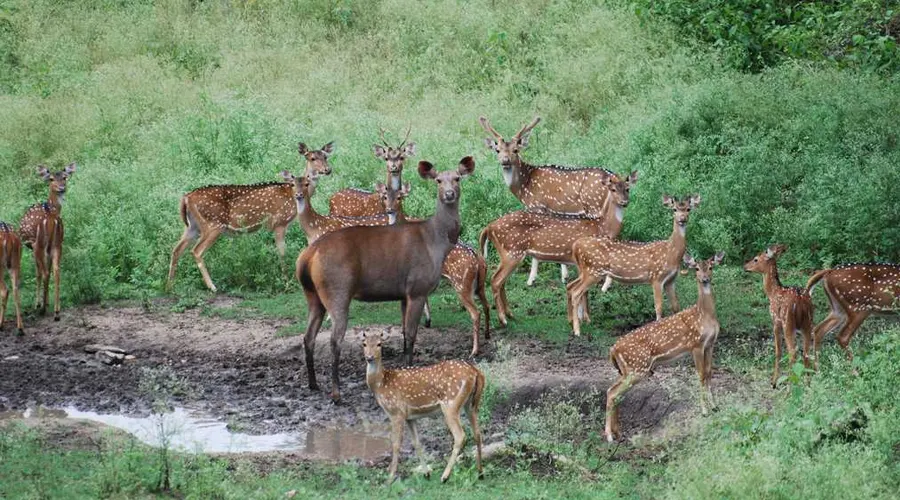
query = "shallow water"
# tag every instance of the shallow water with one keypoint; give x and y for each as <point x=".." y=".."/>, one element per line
<point x="191" y="431"/>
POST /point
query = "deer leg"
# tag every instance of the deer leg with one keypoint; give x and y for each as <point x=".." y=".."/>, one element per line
<point x="606" y="284"/>
<point x="854" y="319"/>
<point x="657" y="299"/>
<point x="700" y="365"/>
<point x="465" y="296"/>
<point x="584" y="282"/>
<point x="413" y="314"/>
<point x="45" y="284"/>
<point x="563" y="273"/>
<point x="315" y="312"/>
<point x="613" y="397"/>
<point x="707" y="369"/>
<point x="14" y="279"/>
<point x="338" y="330"/>
<point x="423" y="467"/>
<point x="38" y="275"/>
<point x="202" y="246"/>
<point x="472" y="412"/>
<point x="777" y="335"/>
<point x="486" y="310"/>
<point x="4" y="295"/>
<point x="673" y="297"/>
<point x="403" y="306"/>
<point x="831" y="322"/>
<point x="396" y="441"/>
<point x="451" y="416"/>
<point x="280" y="246"/>
<point x="498" y="281"/>
<point x="427" y="312"/>
<point x="190" y="234"/>
<point x="790" y="339"/>
<point x="807" y="341"/>
<point x="55" y="255"/>
<point x="534" y="272"/>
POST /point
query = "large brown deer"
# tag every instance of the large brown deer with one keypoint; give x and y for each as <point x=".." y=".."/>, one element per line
<point x="41" y="229"/>
<point x="374" y="264"/>
<point x="411" y="393"/>
<point x="570" y="190"/>
<point x="353" y="202"/>
<point x="211" y="211"/>
<point x="693" y="331"/>
<point x="854" y="291"/>
<point x="791" y="308"/>
<point x="549" y="237"/>
<point x="10" y="260"/>
<point x="656" y="263"/>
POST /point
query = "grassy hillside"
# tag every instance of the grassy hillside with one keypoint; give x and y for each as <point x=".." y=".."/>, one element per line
<point x="155" y="98"/>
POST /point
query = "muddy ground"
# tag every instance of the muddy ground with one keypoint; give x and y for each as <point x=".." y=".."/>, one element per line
<point x="240" y="371"/>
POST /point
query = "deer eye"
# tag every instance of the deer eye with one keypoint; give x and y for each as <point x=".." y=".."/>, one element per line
<point x="378" y="344"/>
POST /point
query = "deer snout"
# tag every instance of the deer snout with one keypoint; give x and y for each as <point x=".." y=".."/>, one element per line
<point x="449" y="196"/>
<point x="370" y="359"/>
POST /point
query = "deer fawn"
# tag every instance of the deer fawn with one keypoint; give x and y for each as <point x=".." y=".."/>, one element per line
<point x="656" y="263"/>
<point x="549" y="237"/>
<point x="791" y="308"/>
<point x="41" y="229"/>
<point x="354" y="202"/>
<point x="211" y="211"/>
<point x="693" y="330"/>
<point x="854" y="291"/>
<point x="570" y="190"/>
<point x="10" y="260"/>
<point x="412" y="393"/>
<point x="383" y="263"/>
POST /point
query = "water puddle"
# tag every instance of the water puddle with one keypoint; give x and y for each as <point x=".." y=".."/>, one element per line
<point x="191" y="431"/>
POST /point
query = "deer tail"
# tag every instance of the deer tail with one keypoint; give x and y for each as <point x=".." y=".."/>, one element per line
<point x="302" y="272"/>
<point x="479" y="390"/>
<point x="814" y="279"/>
<point x="612" y="357"/>
<point x="183" y="210"/>
<point x="483" y="241"/>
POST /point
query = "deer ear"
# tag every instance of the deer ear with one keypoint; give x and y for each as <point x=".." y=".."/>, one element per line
<point x="404" y="190"/>
<point x="668" y="201"/>
<point x="694" y="200"/>
<point x="718" y="258"/>
<point x="328" y="149"/>
<point x="770" y="252"/>
<point x="466" y="166"/>
<point x="523" y="141"/>
<point x="426" y="170"/>
<point x="302" y="149"/>
<point x="379" y="151"/>
<point x="409" y="150"/>
<point x="287" y="176"/>
<point x="70" y="169"/>
<point x="633" y="177"/>
<point x="689" y="261"/>
<point x="492" y="144"/>
<point x="380" y="188"/>
<point x="44" y="172"/>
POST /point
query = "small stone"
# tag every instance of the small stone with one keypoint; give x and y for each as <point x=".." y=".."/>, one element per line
<point x="10" y="358"/>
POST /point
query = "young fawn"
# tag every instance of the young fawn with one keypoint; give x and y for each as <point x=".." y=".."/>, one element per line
<point x="411" y="393"/>
<point x="10" y="260"/>
<point x="693" y="330"/>
<point x="790" y="307"/>
<point x="656" y="263"/>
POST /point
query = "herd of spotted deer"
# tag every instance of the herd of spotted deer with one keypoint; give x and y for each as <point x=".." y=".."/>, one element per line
<point x="367" y="249"/>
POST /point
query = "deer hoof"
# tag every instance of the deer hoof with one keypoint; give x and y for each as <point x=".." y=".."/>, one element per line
<point x="20" y="332"/>
<point x="56" y="317"/>
<point x="428" y="323"/>
<point x="445" y="477"/>
<point x="335" y="397"/>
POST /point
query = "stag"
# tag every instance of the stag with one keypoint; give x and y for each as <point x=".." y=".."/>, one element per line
<point x="10" y="260"/>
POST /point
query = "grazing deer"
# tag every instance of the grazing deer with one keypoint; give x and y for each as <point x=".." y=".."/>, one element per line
<point x="791" y="308"/>
<point x="656" y="263"/>
<point x="10" y="260"/>
<point x="375" y="264"/>
<point x="549" y="237"/>
<point x="569" y="190"/>
<point x="408" y="394"/>
<point x="211" y="211"/>
<point x="354" y="202"/>
<point x="855" y="291"/>
<point x="693" y="330"/>
<point x="41" y="229"/>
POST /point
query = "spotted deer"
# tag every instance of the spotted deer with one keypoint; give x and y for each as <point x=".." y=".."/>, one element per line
<point x="549" y="237"/>
<point x="409" y="394"/>
<point x="10" y="260"/>
<point x="791" y="308"/>
<point x="41" y="229"/>
<point x="656" y="263"/>
<point x="693" y="330"/>
<point x="569" y="190"/>
<point x="211" y="211"/>
<point x="401" y="262"/>
<point x="353" y="202"/>
<point x="854" y="291"/>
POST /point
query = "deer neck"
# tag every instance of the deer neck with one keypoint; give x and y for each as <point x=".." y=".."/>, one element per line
<point x="375" y="375"/>
<point x="56" y="200"/>
<point x="706" y="304"/>
<point x="771" y="280"/>
<point x="445" y="226"/>
<point x="677" y="244"/>
<point x="309" y="219"/>
<point x="394" y="180"/>
<point x="518" y="178"/>
<point x="611" y="217"/>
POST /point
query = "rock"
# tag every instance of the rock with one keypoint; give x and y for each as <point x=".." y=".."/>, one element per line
<point x="93" y="348"/>
<point x="291" y="494"/>
<point x="129" y="357"/>
<point x="492" y="449"/>
<point x="109" y="358"/>
<point x="10" y="358"/>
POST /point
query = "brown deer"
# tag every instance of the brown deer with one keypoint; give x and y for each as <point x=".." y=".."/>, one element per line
<point x="656" y="263"/>
<point x="549" y="237"/>
<point x="408" y="394"/>
<point x="854" y="291"/>
<point x="693" y="330"/>
<point x="41" y="229"/>
<point x="791" y="308"/>
<point x="211" y="211"/>
<point x="354" y="202"/>
<point x="383" y="263"/>
<point x="10" y="260"/>
<point x="570" y="190"/>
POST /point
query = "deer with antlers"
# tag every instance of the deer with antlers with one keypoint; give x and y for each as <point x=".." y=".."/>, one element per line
<point x="212" y="211"/>
<point x="791" y="308"/>
<point x="353" y="202"/>
<point x="656" y="263"/>
<point x="693" y="330"/>
<point x="41" y="229"/>
<point x="411" y="393"/>
<point x="401" y="262"/>
<point x="549" y="237"/>
<point x="569" y="190"/>
<point x="10" y="260"/>
<point x="854" y="291"/>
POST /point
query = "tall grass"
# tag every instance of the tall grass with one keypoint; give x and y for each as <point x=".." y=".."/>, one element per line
<point x="156" y="98"/>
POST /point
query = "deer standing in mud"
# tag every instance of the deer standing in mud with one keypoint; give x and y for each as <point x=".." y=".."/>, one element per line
<point x="549" y="237"/>
<point x="791" y="308"/>
<point x="854" y="291"/>
<point x="400" y="262"/>
<point x="693" y="331"/>
<point x="569" y="190"/>
<point x="408" y="394"/>
<point x="352" y="202"/>
<point x="10" y="260"/>
<point x="41" y="229"/>
<point x="208" y="212"/>
<point x="656" y="263"/>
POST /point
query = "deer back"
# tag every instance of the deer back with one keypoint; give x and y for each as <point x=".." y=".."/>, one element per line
<point x="866" y="287"/>
<point x="462" y="265"/>
<point x="41" y="226"/>
<point x="562" y="189"/>
<point x="658" y="342"/>
<point x="10" y="247"/>
<point x="238" y="207"/>
<point x="354" y="202"/>
<point x="315" y="226"/>
<point x="624" y="260"/>
<point x="546" y="236"/>
<point x="426" y="388"/>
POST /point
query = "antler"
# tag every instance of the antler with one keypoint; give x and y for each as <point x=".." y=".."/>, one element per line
<point x="381" y="134"/>
<point x="403" y="143"/>
<point x="527" y="128"/>
<point x="488" y="128"/>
